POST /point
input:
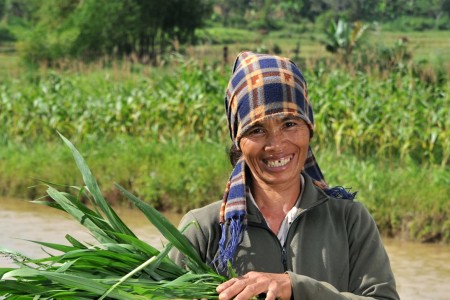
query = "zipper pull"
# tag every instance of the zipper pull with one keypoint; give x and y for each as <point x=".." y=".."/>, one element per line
<point x="284" y="258"/>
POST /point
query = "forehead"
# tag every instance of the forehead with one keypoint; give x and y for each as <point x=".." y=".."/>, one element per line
<point x="275" y="119"/>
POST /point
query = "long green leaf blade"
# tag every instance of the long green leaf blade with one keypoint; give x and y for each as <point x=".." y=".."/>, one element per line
<point x="94" y="189"/>
<point x="169" y="231"/>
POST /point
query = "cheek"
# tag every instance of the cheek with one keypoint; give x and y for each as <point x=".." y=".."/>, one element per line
<point x="246" y="146"/>
<point x="249" y="148"/>
<point x="301" y="139"/>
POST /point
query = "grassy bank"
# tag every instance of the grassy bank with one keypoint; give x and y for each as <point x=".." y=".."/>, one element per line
<point x="406" y="200"/>
<point x="168" y="175"/>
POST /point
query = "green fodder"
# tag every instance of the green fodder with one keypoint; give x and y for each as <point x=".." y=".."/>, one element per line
<point x="117" y="266"/>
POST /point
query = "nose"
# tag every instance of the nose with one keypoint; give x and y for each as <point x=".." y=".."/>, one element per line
<point x="274" y="140"/>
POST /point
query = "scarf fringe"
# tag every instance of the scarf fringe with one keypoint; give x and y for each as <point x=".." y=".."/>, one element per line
<point x="340" y="192"/>
<point x="227" y="248"/>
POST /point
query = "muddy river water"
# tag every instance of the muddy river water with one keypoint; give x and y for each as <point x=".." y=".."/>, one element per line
<point x="422" y="270"/>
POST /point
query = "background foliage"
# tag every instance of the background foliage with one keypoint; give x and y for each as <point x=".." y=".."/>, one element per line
<point x="139" y="88"/>
<point x="53" y="29"/>
<point x="50" y="30"/>
<point x="396" y="116"/>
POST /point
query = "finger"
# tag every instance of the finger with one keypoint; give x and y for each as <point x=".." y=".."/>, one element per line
<point x="248" y="292"/>
<point x="223" y="286"/>
<point x="236" y="287"/>
<point x="272" y="291"/>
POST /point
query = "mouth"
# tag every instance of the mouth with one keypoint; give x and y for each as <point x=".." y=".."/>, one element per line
<point x="278" y="162"/>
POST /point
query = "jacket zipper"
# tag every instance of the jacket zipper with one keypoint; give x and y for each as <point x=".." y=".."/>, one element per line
<point x="283" y="247"/>
<point x="284" y="257"/>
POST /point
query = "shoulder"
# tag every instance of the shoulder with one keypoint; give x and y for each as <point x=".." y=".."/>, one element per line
<point x="205" y="217"/>
<point x="351" y="208"/>
<point x="354" y="214"/>
<point x="206" y="214"/>
<point x="202" y="229"/>
<point x="347" y="211"/>
<point x="347" y="205"/>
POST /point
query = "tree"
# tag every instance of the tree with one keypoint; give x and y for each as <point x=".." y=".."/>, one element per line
<point x="2" y="8"/>
<point x="94" y="28"/>
<point x="362" y="9"/>
<point x="233" y="11"/>
<point x="23" y="10"/>
<point x="446" y="7"/>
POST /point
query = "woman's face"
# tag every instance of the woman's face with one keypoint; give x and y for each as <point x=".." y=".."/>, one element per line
<point x="275" y="149"/>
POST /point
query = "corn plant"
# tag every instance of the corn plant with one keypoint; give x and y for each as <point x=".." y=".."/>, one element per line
<point x="394" y="115"/>
<point x="344" y="36"/>
<point x="117" y="266"/>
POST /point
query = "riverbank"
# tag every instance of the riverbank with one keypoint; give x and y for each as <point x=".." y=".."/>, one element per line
<point x="408" y="201"/>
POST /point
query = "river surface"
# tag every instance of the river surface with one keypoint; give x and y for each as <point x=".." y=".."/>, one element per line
<point x="422" y="270"/>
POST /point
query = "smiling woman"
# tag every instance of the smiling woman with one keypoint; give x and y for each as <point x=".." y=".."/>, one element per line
<point x="284" y="231"/>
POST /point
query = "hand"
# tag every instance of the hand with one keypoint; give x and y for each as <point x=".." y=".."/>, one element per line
<point x="276" y="286"/>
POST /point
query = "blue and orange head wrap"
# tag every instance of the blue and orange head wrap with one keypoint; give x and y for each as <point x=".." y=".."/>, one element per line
<point x="261" y="86"/>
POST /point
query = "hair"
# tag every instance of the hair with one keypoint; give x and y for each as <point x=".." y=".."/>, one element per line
<point x="234" y="154"/>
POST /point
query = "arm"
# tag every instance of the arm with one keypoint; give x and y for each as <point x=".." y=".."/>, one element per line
<point x="371" y="276"/>
<point x="193" y="234"/>
<point x="204" y="235"/>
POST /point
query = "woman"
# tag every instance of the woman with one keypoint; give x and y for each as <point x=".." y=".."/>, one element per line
<point x="280" y="227"/>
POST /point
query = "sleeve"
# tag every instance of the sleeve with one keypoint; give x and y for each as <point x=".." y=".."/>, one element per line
<point x="371" y="276"/>
<point x="194" y="234"/>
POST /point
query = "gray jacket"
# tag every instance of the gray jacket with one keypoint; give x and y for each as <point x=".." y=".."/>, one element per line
<point x="333" y="249"/>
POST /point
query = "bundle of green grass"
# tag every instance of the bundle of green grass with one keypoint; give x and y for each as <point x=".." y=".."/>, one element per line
<point x="118" y="266"/>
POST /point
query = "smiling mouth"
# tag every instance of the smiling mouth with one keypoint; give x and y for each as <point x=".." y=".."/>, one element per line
<point x="278" y="163"/>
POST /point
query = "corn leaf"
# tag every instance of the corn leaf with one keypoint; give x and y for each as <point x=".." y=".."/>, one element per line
<point x="80" y="216"/>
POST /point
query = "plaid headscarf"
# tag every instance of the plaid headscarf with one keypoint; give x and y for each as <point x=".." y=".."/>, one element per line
<point x="261" y="85"/>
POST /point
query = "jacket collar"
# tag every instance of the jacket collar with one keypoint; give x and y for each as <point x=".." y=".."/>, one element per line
<point x="310" y="197"/>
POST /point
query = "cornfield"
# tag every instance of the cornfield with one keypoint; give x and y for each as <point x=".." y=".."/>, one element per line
<point x="396" y="115"/>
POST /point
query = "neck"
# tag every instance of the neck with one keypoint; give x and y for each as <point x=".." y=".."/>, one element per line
<point x="275" y="201"/>
<point x="276" y="198"/>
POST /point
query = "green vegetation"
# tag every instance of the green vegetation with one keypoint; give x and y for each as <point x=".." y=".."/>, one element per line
<point x="385" y="134"/>
<point x="149" y="273"/>
<point x="51" y="31"/>
<point x="170" y="176"/>
<point x="392" y="115"/>
<point x="146" y="103"/>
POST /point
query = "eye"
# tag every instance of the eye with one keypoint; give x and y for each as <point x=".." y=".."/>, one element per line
<point x="292" y="123"/>
<point x="289" y="124"/>
<point x="255" y="131"/>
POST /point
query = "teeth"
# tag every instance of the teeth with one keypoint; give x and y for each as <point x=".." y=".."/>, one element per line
<point x="279" y="163"/>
